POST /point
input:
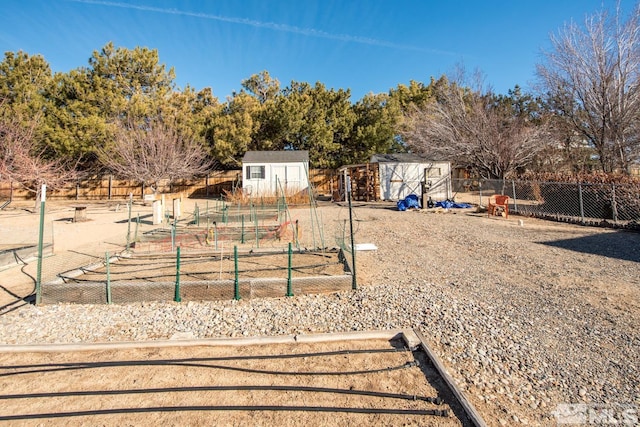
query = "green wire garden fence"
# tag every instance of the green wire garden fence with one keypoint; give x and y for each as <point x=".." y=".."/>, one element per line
<point x="219" y="251"/>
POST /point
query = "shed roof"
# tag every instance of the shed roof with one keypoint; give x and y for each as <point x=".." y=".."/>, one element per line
<point x="397" y="157"/>
<point x="286" y="156"/>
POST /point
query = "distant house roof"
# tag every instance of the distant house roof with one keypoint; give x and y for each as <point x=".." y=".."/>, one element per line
<point x="397" y="157"/>
<point x="286" y="156"/>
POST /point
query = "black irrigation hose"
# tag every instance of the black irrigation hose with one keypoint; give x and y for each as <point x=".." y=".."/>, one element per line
<point x="434" y="400"/>
<point x="229" y="358"/>
<point x="391" y="411"/>
<point x="8" y="308"/>
<point x="204" y="365"/>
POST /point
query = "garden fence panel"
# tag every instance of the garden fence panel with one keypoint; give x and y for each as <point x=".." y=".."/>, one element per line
<point x="587" y="203"/>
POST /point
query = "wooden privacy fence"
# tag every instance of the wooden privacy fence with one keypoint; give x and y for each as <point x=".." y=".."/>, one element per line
<point x="214" y="184"/>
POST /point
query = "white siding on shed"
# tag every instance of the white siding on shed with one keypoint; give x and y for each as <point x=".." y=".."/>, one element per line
<point x="400" y="179"/>
<point x="270" y="173"/>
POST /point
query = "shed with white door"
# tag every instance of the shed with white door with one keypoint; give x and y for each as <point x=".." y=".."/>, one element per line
<point x="402" y="174"/>
<point x="268" y="173"/>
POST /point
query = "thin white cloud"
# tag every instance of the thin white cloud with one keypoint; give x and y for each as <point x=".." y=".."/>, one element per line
<point x="270" y="25"/>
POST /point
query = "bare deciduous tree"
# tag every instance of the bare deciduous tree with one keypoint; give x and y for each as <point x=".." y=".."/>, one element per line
<point x="153" y="152"/>
<point x="474" y="130"/>
<point x="24" y="163"/>
<point x="591" y="78"/>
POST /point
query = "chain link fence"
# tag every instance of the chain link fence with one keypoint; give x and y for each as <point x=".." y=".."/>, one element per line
<point x="615" y="205"/>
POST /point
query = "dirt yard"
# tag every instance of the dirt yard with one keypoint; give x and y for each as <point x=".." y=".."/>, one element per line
<point x="354" y="382"/>
<point x="526" y="314"/>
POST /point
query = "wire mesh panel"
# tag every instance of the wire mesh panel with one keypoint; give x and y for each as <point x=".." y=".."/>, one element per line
<point x="616" y="204"/>
<point x="204" y="276"/>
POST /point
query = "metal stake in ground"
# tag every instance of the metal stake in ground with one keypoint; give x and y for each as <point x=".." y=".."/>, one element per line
<point x="176" y="296"/>
<point x="106" y="261"/>
<point x="289" y="290"/>
<point x="129" y="221"/>
<point x="236" y="283"/>
<point x="43" y="197"/>
<point x="354" y="283"/>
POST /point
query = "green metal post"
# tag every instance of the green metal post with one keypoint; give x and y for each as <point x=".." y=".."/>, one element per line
<point x="225" y="210"/>
<point x="321" y="227"/>
<point x="215" y="235"/>
<point x="236" y="282"/>
<point x="289" y="289"/>
<point x="106" y="259"/>
<point x="257" y="234"/>
<point x="278" y="208"/>
<point x="43" y="197"/>
<point x="354" y="283"/>
<point x="173" y="236"/>
<point x="176" y="296"/>
<point x="313" y="229"/>
<point x="129" y="221"/>
<point x="135" y="235"/>
<point x="242" y="231"/>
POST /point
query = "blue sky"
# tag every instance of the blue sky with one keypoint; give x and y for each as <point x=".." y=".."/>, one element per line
<point x="362" y="45"/>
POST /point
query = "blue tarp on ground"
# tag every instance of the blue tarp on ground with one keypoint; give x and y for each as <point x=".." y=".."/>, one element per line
<point x="409" y="202"/>
<point x="448" y="204"/>
<point x="412" y="202"/>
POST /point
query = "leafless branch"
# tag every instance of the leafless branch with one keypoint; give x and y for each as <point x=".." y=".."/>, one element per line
<point x="152" y="152"/>
<point x="23" y="161"/>
<point x="592" y="75"/>
<point x="466" y="127"/>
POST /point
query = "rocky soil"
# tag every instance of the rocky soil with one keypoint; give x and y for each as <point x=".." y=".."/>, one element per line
<point x="526" y="314"/>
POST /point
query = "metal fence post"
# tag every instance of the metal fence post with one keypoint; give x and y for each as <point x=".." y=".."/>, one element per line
<point x="480" y="191"/>
<point x="106" y="262"/>
<point x="515" y="199"/>
<point x="354" y="282"/>
<point x="580" y="202"/>
<point x="135" y="234"/>
<point x="236" y="282"/>
<point x="173" y="236"/>
<point x="614" y="208"/>
<point x="43" y="197"/>
<point x="242" y="231"/>
<point x="129" y="221"/>
<point x="215" y="235"/>
<point x="176" y="296"/>
<point x="289" y="289"/>
<point x="257" y="234"/>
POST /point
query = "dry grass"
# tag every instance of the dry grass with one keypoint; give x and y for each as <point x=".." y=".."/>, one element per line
<point x="243" y="199"/>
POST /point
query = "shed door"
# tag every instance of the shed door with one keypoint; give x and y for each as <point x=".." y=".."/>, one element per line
<point x="437" y="183"/>
<point x="400" y="180"/>
<point x="294" y="178"/>
<point x="279" y="179"/>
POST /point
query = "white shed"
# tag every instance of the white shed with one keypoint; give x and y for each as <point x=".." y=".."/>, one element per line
<point x="267" y="173"/>
<point x="403" y="174"/>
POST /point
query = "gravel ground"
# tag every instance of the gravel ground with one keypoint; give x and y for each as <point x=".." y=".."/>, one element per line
<point x="526" y="314"/>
